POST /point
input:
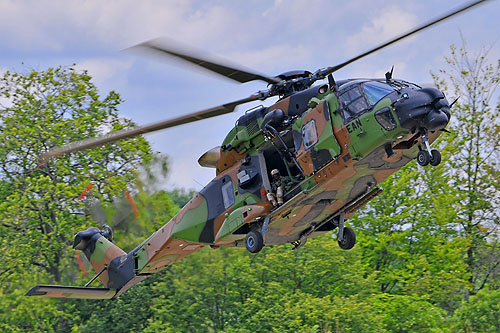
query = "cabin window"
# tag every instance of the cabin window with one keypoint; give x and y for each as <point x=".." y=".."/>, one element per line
<point x="309" y="134"/>
<point x="384" y="117"/>
<point x="375" y="91"/>
<point x="354" y="102"/>
<point x="227" y="194"/>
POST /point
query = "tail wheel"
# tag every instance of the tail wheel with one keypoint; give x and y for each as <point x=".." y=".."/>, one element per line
<point x="349" y="239"/>
<point x="254" y="241"/>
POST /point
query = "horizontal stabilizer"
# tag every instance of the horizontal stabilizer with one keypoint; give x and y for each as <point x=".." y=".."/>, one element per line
<point x="71" y="292"/>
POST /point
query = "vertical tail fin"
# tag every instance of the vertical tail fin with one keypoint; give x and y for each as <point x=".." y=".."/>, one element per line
<point x="99" y="249"/>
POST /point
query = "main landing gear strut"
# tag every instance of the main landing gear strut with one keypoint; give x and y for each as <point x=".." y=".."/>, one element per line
<point x="346" y="236"/>
<point x="427" y="155"/>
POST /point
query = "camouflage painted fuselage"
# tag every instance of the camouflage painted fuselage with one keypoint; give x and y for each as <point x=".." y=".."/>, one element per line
<point x="342" y="162"/>
<point x="331" y="158"/>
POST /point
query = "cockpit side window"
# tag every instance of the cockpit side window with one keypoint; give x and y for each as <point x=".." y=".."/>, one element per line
<point x="375" y="91"/>
<point x="353" y="102"/>
<point x="227" y="194"/>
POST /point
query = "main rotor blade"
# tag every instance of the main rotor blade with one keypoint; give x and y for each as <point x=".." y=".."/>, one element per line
<point x="132" y="132"/>
<point x="236" y="74"/>
<point x="330" y="70"/>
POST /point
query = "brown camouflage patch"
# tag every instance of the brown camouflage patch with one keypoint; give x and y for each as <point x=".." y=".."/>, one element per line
<point x="283" y="105"/>
<point x="252" y="212"/>
<point x="228" y="159"/>
<point x="291" y="219"/>
<point x="111" y="253"/>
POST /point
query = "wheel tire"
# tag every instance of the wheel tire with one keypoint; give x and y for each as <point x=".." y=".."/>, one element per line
<point x="435" y="157"/>
<point x="254" y="241"/>
<point x="349" y="239"/>
<point x="423" y="157"/>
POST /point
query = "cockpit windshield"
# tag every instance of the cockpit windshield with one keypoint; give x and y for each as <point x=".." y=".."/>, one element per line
<point x="375" y="91"/>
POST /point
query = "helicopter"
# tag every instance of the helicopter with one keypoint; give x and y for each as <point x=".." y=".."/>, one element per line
<point x="284" y="173"/>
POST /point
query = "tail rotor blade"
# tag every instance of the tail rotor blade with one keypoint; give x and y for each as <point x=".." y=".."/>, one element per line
<point x="83" y="267"/>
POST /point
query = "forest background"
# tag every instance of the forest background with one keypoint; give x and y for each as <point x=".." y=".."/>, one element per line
<point x="427" y="257"/>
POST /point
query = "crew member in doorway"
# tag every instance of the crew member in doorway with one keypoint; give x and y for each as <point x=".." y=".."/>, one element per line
<point x="276" y="194"/>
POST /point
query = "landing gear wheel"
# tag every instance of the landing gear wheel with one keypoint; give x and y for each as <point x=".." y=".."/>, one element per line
<point x="349" y="239"/>
<point x="435" y="157"/>
<point x="423" y="157"/>
<point x="254" y="241"/>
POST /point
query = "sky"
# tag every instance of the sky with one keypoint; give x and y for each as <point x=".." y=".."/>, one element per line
<point x="270" y="37"/>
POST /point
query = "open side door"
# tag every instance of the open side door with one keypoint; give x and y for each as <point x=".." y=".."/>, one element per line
<point x="315" y="143"/>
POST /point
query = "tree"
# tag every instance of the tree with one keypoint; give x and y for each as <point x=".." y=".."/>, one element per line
<point x="181" y="196"/>
<point x="40" y="208"/>
<point x="319" y="288"/>
<point x="432" y="232"/>
<point x="475" y="155"/>
<point x="407" y="239"/>
<point x="481" y="313"/>
<point x="429" y="239"/>
<point x="408" y="313"/>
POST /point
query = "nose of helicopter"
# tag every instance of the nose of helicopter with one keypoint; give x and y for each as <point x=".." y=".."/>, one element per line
<point x="425" y="108"/>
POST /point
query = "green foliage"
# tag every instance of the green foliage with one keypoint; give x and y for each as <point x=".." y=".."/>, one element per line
<point x="409" y="313"/>
<point x="481" y="313"/>
<point x="153" y="211"/>
<point x="21" y="314"/>
<point x="129" y="313"/>
<point x="181" y="196"/>
<point x="409" y="244"/>
<point x="320" y="288"/>
<point x="427" y="257"/>
<point x="474" y="159"/>
<point x="40" y="209"/>
<point x="275" y="290"/>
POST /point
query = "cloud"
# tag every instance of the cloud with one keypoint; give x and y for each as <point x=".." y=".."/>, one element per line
<point x="269" y="36"/>
<point x="54" y="24"/>
<point x="27" y="25"/>
<point x="392" y="22"/>
<point x="186" y="173"/>
<point x="265" y="59"/>
<point x="370" y="69"/>
<point x="301" y="14"/>
<point x="103" y="70"/>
